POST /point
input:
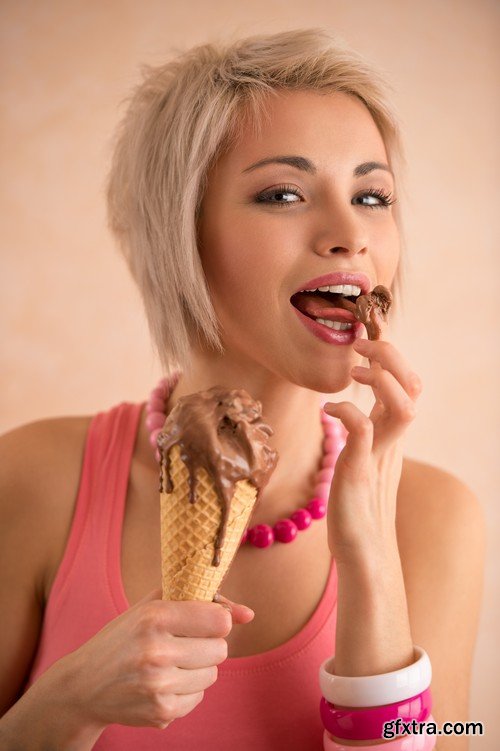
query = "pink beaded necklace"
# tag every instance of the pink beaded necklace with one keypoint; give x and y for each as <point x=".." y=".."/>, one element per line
<point x="285" y="530"/>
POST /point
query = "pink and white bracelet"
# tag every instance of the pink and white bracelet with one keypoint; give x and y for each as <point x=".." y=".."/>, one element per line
<point x="368" y="723"/>
<point x="376" y="690"/>
<point x="358" y="707"/>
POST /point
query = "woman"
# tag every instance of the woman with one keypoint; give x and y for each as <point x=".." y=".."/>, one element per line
<point x="240" y="176"/>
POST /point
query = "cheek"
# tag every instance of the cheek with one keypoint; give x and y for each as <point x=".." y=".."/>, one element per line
<point x="387" y="254"/>
<point x="241" y="294"/>
<point x="239" y="270"/>
<point x="234" y="275"/>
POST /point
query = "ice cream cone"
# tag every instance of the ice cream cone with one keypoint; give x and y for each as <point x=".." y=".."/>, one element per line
<point x="188" y="532"/>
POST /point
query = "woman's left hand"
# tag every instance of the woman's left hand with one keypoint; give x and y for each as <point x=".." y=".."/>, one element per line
<point x="362" y="503"/>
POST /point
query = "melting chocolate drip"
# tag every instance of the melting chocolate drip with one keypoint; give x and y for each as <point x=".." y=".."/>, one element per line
<point x="221" y="430"/>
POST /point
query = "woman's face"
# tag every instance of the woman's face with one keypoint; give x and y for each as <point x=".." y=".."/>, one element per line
<point x="256" y="252"/>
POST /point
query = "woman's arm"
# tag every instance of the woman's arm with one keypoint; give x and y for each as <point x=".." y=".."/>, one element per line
<point x="373" y="633"/>
<point x="427" y="592"/>
<point x="47" y="717"/>
<point x="380" y="613"/>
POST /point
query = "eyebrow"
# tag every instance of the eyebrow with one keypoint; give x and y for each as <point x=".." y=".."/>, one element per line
<point x="301" y="163"/>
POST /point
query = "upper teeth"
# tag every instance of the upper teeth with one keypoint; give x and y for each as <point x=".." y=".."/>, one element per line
<point x="345" y="289"/>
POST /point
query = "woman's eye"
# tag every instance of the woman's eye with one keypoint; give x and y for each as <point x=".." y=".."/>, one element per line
<point x="281" y="193"/>
<point x="378" y="199"/>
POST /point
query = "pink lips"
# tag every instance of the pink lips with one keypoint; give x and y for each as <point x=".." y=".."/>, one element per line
<point x="330" y="336"/>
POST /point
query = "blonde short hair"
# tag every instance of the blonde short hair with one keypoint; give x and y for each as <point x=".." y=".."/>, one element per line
<point x="180" y="118"/>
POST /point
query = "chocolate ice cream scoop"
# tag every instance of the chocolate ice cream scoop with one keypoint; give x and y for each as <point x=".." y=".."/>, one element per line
<point x="222" y="431"/>
<point x="370" y="308"/>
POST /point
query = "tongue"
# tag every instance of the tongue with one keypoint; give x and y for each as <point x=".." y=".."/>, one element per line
<point x="334" y="307"/>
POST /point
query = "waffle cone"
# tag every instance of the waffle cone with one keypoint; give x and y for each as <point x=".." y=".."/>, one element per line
<point x="188" y="532"/>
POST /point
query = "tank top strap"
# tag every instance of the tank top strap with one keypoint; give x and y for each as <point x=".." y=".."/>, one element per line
<point x="93" y="548"/>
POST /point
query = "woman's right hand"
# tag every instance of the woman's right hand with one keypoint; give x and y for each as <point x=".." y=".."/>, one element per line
<point x="151" y="665"/>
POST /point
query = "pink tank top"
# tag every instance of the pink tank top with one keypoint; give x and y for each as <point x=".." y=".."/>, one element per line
<point x="268" y="701"/>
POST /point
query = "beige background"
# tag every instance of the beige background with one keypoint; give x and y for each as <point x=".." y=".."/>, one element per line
<point x="74" y="339"/>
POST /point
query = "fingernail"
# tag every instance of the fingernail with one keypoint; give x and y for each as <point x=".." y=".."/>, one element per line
<point x="249" y="610"/>
<point x="218" y="599"/>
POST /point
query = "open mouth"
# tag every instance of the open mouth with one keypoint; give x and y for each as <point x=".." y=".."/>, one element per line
<point x="332" y="306"/>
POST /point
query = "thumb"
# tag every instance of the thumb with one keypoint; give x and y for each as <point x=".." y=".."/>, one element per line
<point x="239" y="613"/>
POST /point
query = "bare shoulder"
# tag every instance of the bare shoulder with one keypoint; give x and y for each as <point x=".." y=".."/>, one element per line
<point x="441" y="534"/>
<point x="440" y="524"/>
<point x="43" y="455"/>
<point x="41" y="464"/>
<point x="432" y="500"/>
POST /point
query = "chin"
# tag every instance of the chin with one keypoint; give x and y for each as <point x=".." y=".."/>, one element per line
<point x="328" y="382"/>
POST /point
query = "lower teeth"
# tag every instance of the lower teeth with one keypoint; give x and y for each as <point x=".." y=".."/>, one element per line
<point x="334" y="324"/>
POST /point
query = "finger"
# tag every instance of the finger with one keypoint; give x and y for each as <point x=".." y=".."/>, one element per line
<point x="399" y="408"/>
<point x="386" y="356"/>
<point x="182" y="681"/>
<point x="239" y="613"/>
<point x="190" y="618"/>
<point x="378" y="407"/>
<point x="194" y="653"/>
<point x="377" y="411"/>
<point x="359" y="441"/>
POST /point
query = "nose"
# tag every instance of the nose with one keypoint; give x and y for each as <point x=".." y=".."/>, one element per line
<point x="346" y="233"/>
